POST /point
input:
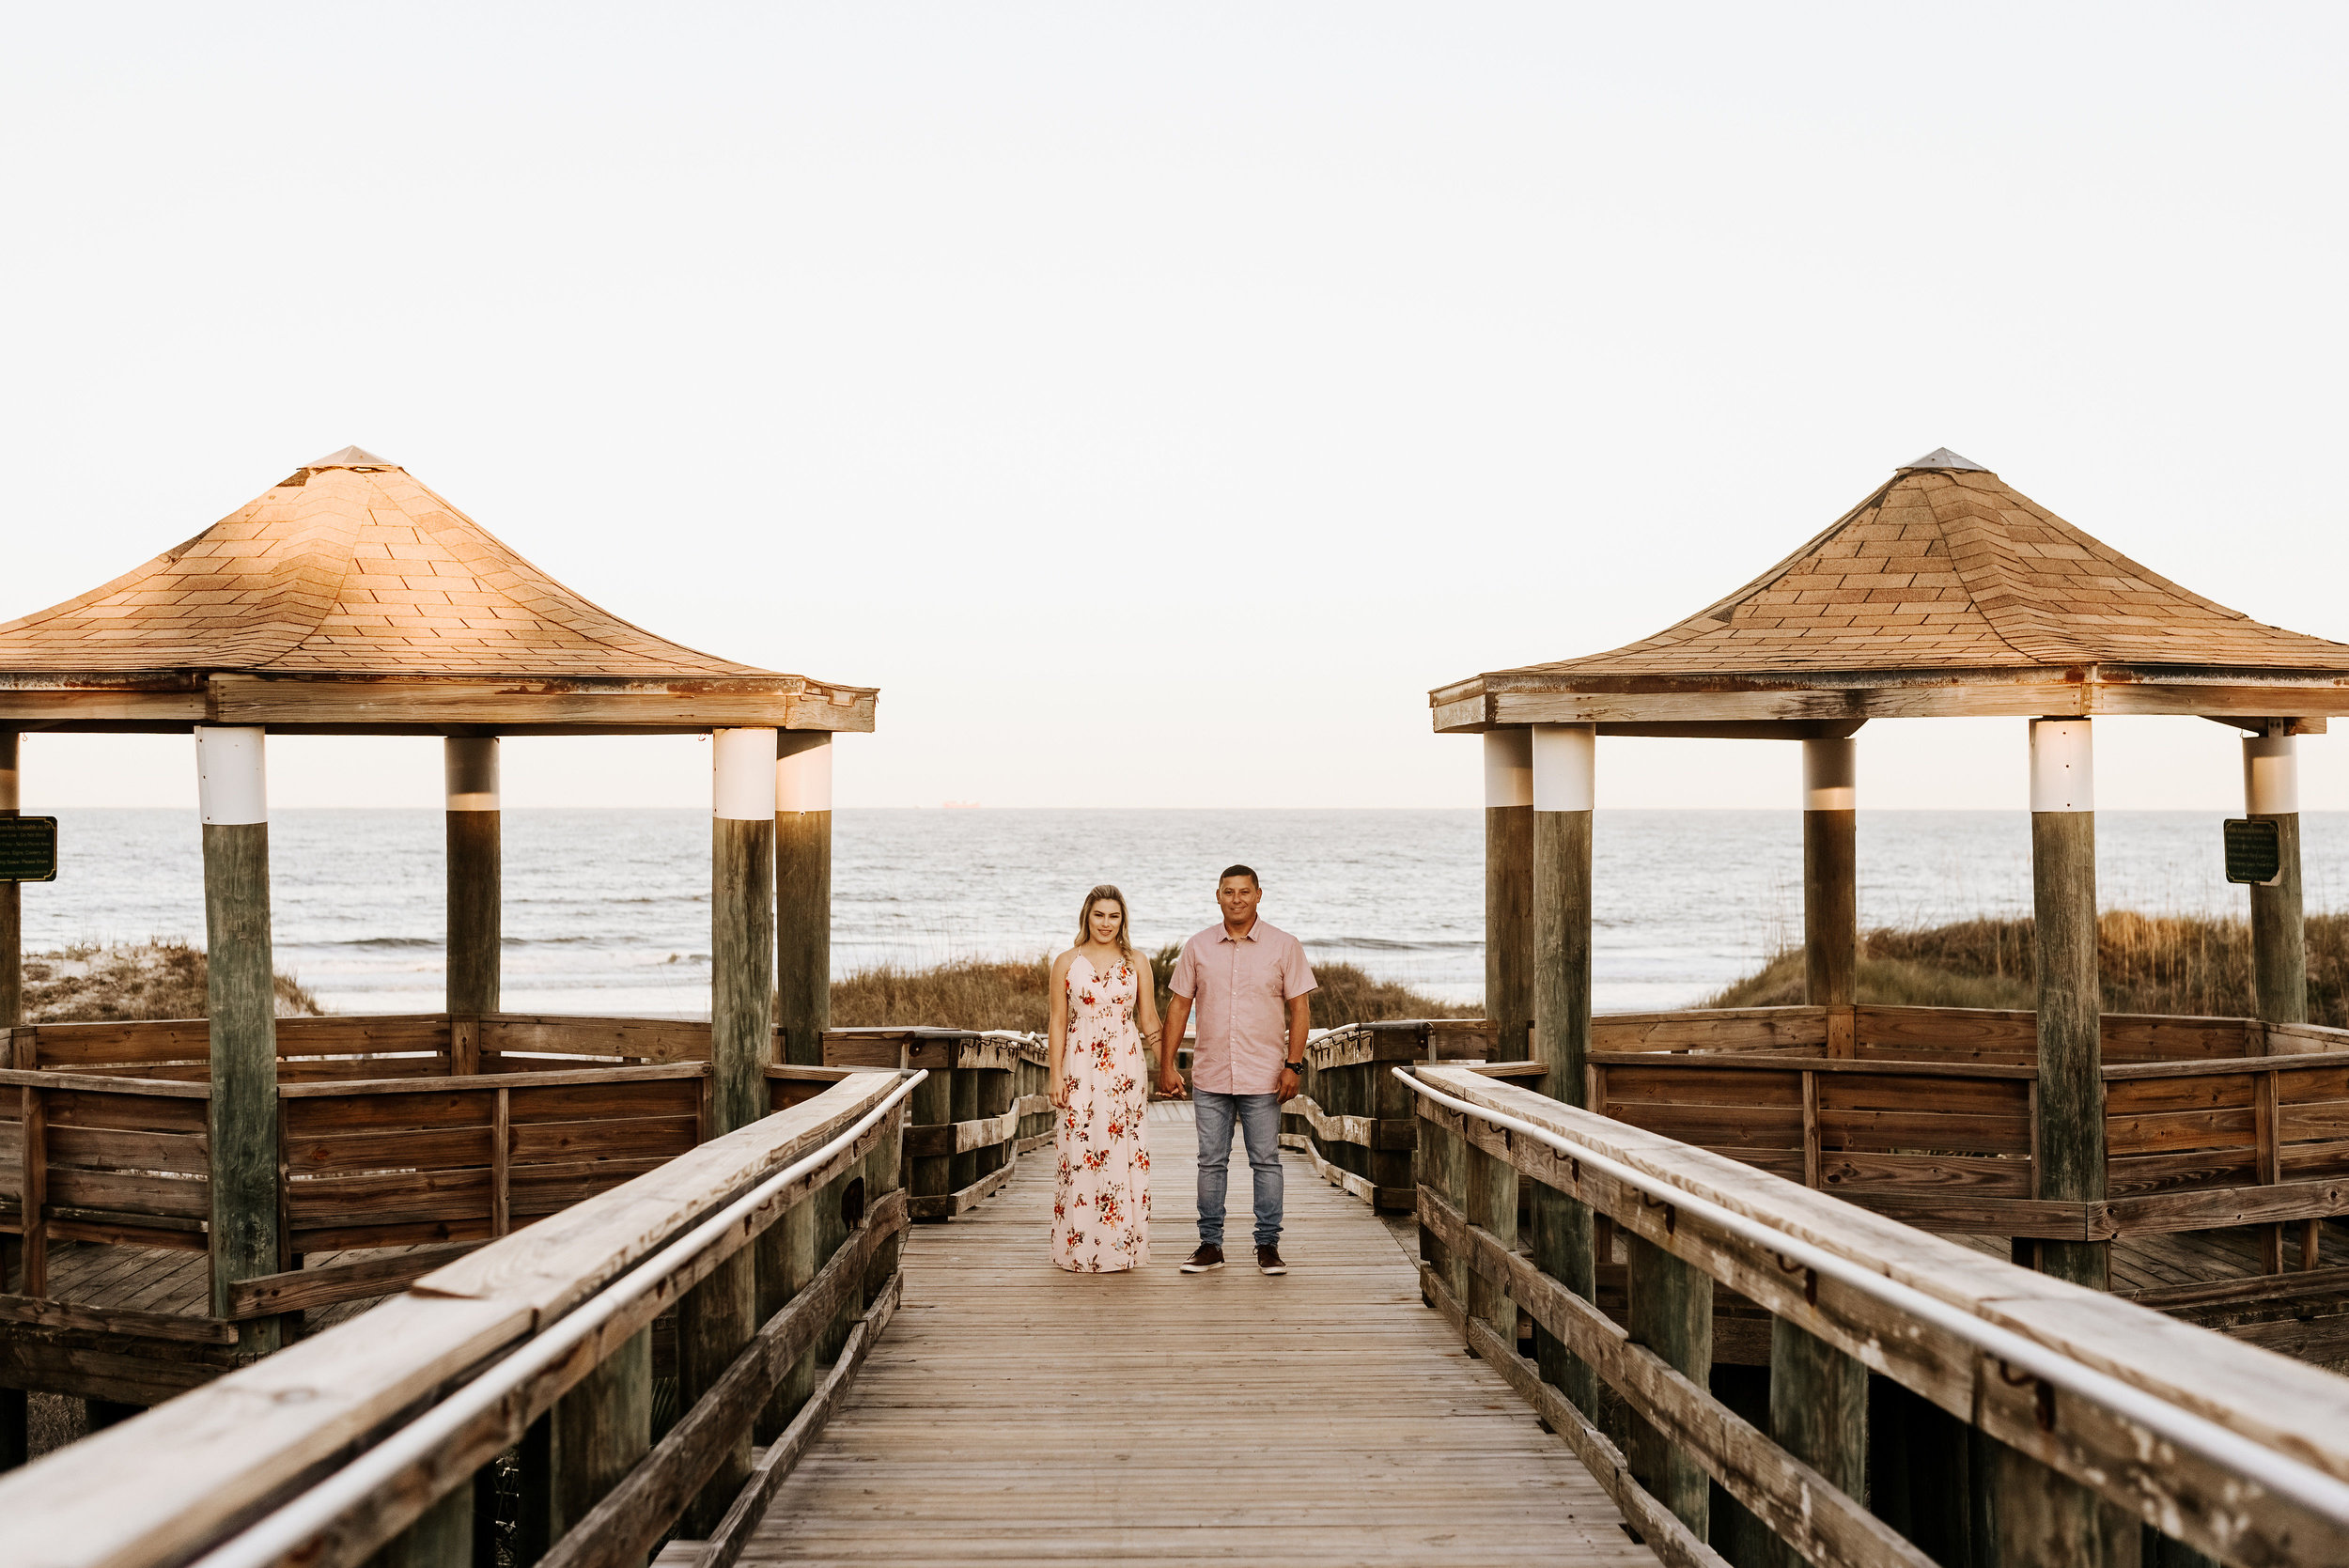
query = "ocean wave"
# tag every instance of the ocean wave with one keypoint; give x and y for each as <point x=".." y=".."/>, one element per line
<point x="1387" y="944"/>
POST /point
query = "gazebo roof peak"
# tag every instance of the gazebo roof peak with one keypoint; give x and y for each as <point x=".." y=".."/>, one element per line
<point x="1945" y="592"/>
<point x="1939" y="460"/>
<point x="351" y="457"/>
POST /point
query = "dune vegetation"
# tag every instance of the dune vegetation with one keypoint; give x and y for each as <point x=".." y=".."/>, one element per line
<point x="161" y="979"/>
<point x="2189" y="965"/>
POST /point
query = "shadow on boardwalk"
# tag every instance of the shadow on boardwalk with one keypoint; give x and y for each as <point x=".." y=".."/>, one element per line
<point x="1016" y="1414"/>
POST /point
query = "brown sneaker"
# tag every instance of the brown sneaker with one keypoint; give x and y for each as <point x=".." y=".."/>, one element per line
<point x="1202" y="1260"/>
<point x="1269" y="1261"/>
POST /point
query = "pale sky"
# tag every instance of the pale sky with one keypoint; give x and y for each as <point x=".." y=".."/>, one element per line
<point x="1155" y="402"/>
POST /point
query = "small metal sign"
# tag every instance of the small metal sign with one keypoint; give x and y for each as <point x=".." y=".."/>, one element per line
<point x="28" y="848"/>
<point x="2255" y="851"/>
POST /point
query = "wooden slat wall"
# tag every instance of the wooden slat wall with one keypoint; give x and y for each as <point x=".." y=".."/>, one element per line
<point x="1752" y="1113"/>
<point x="1965" y="1136"/>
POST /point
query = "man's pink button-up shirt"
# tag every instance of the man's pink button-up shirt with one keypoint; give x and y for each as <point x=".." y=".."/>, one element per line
<point x="1241" y="989"/>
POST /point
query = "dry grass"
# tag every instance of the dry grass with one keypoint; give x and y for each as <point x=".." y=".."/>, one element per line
<point x="160" y="979"/>
<point x="2176" y="964"/>
<point x="973" y="993"/>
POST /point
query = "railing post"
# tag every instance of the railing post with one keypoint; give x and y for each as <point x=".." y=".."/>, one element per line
<point x="1818" y="1412"/>
<point x="786" y="1261"/>
<point x="1442" y="1171"/>
<point x="440" y="1538"/>
<point x="2046" y="1520"/>
<point x="932" y="1105"/>
<point x="1391" y="1106"/>
<point x="602" y="1428"/>
<point x="1492" y="1203"/>
<point x="884" y="1174"/>
<point x="1671" y="1313"/>
<point x="1565" y="779"/>
<point x="963" y="1103"/>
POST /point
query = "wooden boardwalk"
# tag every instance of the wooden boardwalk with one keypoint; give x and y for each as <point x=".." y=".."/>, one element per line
<point x="1016" y="1414"/>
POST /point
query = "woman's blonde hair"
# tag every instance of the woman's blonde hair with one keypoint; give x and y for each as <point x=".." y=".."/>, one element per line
<point x="1085" y="918"/>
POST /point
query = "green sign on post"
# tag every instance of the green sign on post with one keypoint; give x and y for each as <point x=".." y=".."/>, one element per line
<point x="2255" y="850"/>
<point x="28" y="848"/>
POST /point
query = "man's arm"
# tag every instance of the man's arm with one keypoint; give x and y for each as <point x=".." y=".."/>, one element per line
<point x="1300" y="1028"/>
<point x="1170" y="1041"/>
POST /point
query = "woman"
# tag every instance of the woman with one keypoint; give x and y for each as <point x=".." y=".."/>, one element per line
<point x="1101" y="1205"/>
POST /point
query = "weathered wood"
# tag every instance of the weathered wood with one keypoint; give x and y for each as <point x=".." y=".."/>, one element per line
<point x="298" y="1290"/>
<point x="1509" y="929"/>
<point x="743" y="944"/>
<point x="715" y="1321"/>
<point x="11" y="913"/>
<point x="803" y="917"/>
<point x="443" y="1538"/>
<point x="734" y="1532"/>
<point x="2069" y="1156"/>
<point x="931" y="1104"/>
<point x="1671" y="1312"/>
<point x="1818" y="1413"/>
<point x="42" y="1313"/>
<point x="602" y="1427"/>
<point x="1831" y="911"/>
<point x="1561" y="1045"/>
<point x="242" y="998"/>
<point x="2267" y="1402"/>
<point x="2280" y="954"/>
<point x="476" y="909"/>
<point x="1492" y="1203"/>
<point x="32" y="1191"/>
<point x="695" y="1453"/>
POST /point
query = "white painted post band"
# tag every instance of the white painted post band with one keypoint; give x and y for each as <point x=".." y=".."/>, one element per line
<point x="1831" y="775"/>
<point x="2271" y="775"/>
<point x="743" y="765"/>
<point x="469" y="763"/>
<point x="804" y="771"/>
<point x="2062" y="765"/>
<point x="231" y="775"/>
<point x="1508" y="767"/>
<point x="10" y="800"/>
<point x="1565" y="767"/>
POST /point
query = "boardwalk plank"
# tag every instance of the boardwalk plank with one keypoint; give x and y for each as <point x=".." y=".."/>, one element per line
<point x="1016" y="1414"/>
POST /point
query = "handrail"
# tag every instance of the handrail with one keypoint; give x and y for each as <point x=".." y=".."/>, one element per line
<point x="291" y="1531"/>
<point x="2275" y="1471"/>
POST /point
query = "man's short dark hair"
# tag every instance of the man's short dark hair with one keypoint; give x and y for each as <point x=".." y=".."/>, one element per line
<point x="1247" y="871"/>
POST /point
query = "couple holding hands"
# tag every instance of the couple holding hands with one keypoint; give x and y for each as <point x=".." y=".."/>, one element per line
<point x="1249" y="982"/>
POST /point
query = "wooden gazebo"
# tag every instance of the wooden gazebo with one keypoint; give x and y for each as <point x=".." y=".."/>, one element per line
<point x="1946" y="593"/>
<point x="350" y="598"/>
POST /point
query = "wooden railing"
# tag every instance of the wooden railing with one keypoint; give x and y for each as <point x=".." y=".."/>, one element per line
<point x="535" y="1347"/>
<point x="413" y="1139"/>
<point x="2100" y="1415"/>
<point x="1355" y="1120"/>
<point x="1926" y="1113"/>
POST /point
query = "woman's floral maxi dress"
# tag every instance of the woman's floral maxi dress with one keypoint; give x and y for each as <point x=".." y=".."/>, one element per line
<point x="1101" y="1202"/>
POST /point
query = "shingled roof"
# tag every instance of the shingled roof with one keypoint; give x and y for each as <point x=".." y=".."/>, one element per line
<point x="1945" y="592"/>
<point x="350" y="595"/>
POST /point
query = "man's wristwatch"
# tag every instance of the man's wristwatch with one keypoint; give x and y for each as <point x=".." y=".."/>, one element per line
<point x="1297" y="1068"/>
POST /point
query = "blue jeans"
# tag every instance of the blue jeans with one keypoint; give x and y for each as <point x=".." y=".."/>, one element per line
<point x="1259" y="1117"/>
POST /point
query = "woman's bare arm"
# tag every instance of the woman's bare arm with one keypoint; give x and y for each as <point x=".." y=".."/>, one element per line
<point x="1056" y="1031"/>
<point x="1147" y="1005"/>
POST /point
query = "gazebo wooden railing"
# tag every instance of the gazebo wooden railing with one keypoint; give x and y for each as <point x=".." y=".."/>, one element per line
<point x="2095" y="1418"/>
<point x="404" y="1142"/>
<point x="376" y="1435"/>
<point x="1355" y="1120"/>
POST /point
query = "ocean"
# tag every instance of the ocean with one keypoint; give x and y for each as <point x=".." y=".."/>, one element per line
<point x="608" y="911"/>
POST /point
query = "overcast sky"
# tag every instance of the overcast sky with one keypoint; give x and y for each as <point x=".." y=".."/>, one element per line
<point x="1155" y="402"/>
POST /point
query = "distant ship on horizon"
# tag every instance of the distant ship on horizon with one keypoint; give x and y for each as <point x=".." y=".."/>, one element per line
<point x="959" y="805"/>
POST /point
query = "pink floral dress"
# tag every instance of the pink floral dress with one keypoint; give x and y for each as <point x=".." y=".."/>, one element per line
<point x="1101" y="1202"/>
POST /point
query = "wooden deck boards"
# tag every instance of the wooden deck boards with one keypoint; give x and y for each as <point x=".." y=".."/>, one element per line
<point x="1016" y="1414"/>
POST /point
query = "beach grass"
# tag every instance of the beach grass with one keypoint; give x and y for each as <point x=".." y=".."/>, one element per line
<point x="2182" y="965"/>
<point x="984" y="993"/>
<point x="161" y="979"/>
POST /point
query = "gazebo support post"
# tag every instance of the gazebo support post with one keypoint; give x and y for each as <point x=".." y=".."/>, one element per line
<point x="2279" y="951"/>
<point x="803" y="894"/>
<point x="2042" y="1517"/>
<point x="1509" y="890"/>
<point x="11" y="901"/>
<point x="1564" y="757"/>
<point x="15" y="1416"/>
<point x="1819" y="1395"/>
<point x="717" y="1318"/>
<point x="475" y="874"/>
<point x="241" y="996"/>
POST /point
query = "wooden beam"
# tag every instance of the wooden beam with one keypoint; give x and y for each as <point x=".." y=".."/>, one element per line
<point x="2068" y="1157"/>
<point x="11" y="903"/>
<point x="804" y="895"/>
<point x="475" y="873"/>
<point x="1509" y="892"/>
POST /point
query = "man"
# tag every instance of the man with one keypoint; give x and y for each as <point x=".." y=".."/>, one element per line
<point x="1250" y="984"/>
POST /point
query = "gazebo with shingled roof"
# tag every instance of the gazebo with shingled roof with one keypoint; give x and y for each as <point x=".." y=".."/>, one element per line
<point x="1944" y="593"/>
<point x="349" y="599"/>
